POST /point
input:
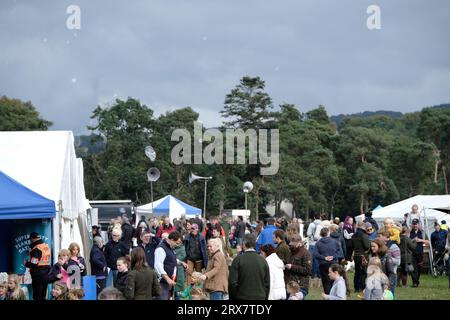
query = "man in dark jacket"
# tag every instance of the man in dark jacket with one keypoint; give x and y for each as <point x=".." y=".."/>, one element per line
<point x="249" y="277"/>
<point x="114" y="249"/>
<point x="417" y="256"/>
<point x="39" y="265"/>
<point x="98" y="264"/>
<point x="327" y="253"/>
<point x="283" y="252"/>
<point x="166" y="264"/>
<point x="127" y="233"/>
<point x="196" y="256"/>
<point x="438" y="241"/>
<point x="239" y="232"/>
<point x="299" y="264"/>
<point x="360" y="245"/>
<point x="368" y="218"/>
<point x="149" y="244"/>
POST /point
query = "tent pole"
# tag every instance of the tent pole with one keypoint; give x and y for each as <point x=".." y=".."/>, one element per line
<point x="204" y="201"/>
<point x="427" y="234"/>
<point x="151" y="192"/>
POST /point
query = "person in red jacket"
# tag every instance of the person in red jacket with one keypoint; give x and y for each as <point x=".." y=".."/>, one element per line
<point x="167" y="227"/>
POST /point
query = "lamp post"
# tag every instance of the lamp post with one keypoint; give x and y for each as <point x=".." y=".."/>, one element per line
<point x="248" y="187"/>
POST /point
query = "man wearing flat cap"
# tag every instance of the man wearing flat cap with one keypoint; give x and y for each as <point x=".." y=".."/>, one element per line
<point x="39" y="265"/>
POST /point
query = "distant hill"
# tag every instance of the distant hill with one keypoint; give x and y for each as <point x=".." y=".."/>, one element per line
<point x="392" y="114"/>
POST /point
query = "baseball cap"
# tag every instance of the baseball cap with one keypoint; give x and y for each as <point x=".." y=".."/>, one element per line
<point x="415" y="221"/>
<point x="34" y="235"/>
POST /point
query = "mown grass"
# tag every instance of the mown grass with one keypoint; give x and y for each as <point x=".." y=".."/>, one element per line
<point x="430" y="289"/>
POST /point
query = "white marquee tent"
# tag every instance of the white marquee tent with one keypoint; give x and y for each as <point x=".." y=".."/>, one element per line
<point x="45" y="162"/>
<point x="170" y="206"/>
<point x="428" y="206"/>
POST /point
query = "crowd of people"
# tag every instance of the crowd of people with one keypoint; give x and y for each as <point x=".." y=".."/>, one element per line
<point x="221" y="258"/>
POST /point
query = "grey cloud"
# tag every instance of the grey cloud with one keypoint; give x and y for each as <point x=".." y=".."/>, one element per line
<point x="172" y="54"/>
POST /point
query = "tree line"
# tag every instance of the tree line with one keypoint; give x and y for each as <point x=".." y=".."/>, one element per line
<point x="343" y="167"/>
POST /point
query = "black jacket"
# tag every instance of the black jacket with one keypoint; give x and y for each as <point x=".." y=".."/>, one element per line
<point x="149" y="250"/>
<point x="113" y="251"/>
<point x="371" y="221"/>
<point x="56" y="269"/>
<point x="127" y="235"/>
<point x="98" y="262"/>
<point x="121" y="282"/>
<point x="360" y="243"/>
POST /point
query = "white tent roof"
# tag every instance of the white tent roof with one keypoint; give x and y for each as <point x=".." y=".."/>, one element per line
<point x="397" y="210"/>
<point x="175" y="207"/>
<point x="45" y="162"/>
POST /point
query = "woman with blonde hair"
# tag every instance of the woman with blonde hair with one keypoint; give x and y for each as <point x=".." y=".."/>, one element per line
<point x="59" y="291"/>
<point x="14" y="290"/>
<point x="376" y="282"/>
<point x="76" y="259"/>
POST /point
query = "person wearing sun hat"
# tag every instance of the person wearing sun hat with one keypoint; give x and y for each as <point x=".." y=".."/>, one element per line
<point x="371" y="232"/>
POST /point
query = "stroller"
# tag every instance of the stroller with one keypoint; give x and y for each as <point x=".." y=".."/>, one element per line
<point x="439" y="267"/>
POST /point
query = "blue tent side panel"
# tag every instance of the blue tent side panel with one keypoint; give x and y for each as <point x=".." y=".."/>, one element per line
<point x="189" y="209"/>
<point x="163" y="207"/>
<point x="19" y="202"/>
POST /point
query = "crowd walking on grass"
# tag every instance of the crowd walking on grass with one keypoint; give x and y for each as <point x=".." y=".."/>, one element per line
<point x="221" y="258"/>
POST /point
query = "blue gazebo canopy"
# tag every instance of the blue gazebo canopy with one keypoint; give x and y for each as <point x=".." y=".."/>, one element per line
<point x="19" y="202"/>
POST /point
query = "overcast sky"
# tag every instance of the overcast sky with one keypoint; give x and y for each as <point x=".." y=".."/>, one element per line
<point x="176" y="53"/>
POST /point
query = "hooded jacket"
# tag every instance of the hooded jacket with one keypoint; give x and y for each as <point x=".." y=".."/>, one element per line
<point x="327" y="247"/>
<point x="277" y="284"/>
<point x="336" y="236"/>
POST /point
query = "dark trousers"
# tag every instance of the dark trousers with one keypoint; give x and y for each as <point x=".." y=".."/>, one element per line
<point x="101" y="284"/>
<point x="166" y="290"/>
<point x="326" y="281"/>
<point x="417" y="260"/>
<point x="39" y="284"/>
<point x="360" y="275"/>
<point x="402" y="279"/>
<point x="348" y="249"/>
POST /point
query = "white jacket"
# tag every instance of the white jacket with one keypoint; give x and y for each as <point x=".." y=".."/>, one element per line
<point x="277" y="286"/>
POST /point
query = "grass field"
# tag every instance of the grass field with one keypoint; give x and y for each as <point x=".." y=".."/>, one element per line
<point x="430" y="289"/>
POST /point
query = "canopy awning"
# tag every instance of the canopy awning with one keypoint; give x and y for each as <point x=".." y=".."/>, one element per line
<point x="19" y="202"/>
